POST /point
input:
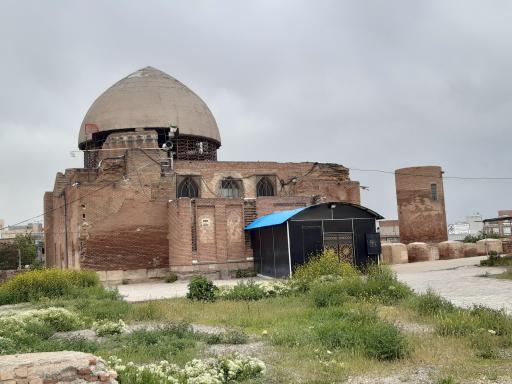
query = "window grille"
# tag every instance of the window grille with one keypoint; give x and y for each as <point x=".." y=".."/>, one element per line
<point x="188" y="188"/>
<point x="433" y="190"/>
<point x="230" y="188"/>
<point x="265" y="187"/>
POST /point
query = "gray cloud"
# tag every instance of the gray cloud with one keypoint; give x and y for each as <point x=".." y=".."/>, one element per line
<point x="368" y="84"/>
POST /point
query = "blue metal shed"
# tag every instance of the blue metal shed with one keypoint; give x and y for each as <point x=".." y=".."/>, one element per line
<point x="283" y="240"/>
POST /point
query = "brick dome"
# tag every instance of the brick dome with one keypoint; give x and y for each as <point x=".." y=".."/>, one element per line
<point x="149" y="98"/>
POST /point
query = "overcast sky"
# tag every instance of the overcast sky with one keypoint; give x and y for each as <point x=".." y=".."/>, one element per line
<point x="367" y="84"/>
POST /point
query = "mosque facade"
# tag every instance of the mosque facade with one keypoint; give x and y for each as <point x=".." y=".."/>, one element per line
<point x="152" y="196"/>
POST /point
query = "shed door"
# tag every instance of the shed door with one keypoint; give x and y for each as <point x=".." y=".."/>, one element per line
<point x="342" y="243"/>
<point x="312" y="241"/>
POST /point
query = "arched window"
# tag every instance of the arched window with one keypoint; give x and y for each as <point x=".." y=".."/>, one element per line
<point x="264" y="187"/>
<point x="230" y="188"/>
<point x="188" y="188"/>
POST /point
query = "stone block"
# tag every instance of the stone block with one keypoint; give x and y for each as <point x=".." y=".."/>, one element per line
<point x="470" y="249"/>
<point x="489" y="245"/>
<point x="419" y="252"/>
<point x="394" y="253"/>
<point x="21" y="372"/>
<point x="6" y="373"/>
<point x="451" y="250"/>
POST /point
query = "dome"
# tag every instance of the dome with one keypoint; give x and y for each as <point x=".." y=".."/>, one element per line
<point x="149" y="98"/>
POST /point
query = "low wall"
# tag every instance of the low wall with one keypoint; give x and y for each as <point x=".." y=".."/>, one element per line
<point x="54" y="368"/>
<point x="419" y="252"/>
<point x="394" y="253"/>
<point x="489" y="245"/>
<point x="117" y="277"/>
<point x="451" y="250"/>
<point x="470" y="250"/>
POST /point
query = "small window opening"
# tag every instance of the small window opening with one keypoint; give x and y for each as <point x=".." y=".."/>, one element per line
<point x="433" y="190"/>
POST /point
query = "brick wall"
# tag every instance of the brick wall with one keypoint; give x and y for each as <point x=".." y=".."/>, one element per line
<point x="118" y="217"/>
<point x="219" y="232"/>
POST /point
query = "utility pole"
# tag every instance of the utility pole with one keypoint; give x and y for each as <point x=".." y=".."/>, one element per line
<point x="19" y="258"/>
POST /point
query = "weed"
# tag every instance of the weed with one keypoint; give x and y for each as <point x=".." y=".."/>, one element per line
<point x="494" y="259"/>
<point x="325" y="263"/>
<point x="171" y="277"/>
<point x="446" y="380"/>
<point x="229" y="337"/>
<point x="201" y="289"/>
<point x="430" y="303"/>
<point x="249" y="291"/>
<point x="50" y="283"/>
<point x="326" y="294"/>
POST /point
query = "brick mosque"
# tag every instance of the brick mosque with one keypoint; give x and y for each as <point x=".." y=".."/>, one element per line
<point x="152" y="195"/>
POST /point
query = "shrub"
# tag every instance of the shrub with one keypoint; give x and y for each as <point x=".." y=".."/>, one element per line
<point x="494" y="259"/>
<point x="382" y="285"/>
<point x="7" y="346"/>
<point x="457" y="323"/>
<point x="229" y="337"/>
<point x="446" y="380"/>
<point x="234" y="368"/>
<point x="492" y="319"/>
<point x="249" y="291"/>
<point x="485" y="344"/>
<point x="171" y="277"/>
<point x="383" y="341"/>
<point x="41" y="322"/>
<point x="326" y="293"/>
<point x="149" y="310"/>
<point x="94" y="309"/>
<point x="78" y="344"/>
<point x="430" y="303"/>
<point x="325" y="263"/>
<point x="36" y="284"/>
<point x="359" y="330"/>
<point x="201" y="289"/>
<point x="108" y="327"/>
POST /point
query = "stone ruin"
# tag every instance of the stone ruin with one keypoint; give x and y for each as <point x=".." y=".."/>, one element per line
<point x="54" y="368"/>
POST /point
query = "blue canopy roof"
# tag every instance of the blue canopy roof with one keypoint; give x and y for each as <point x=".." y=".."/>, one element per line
<point x="274" y="218"/>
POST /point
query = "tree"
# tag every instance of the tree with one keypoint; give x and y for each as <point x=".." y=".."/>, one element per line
<point x="9" y="252"/>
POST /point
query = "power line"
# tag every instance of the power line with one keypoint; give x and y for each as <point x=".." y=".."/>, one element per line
<point x="429" y="175"/>
<point x="481" y="178"/>
<point x="72" y="201"/>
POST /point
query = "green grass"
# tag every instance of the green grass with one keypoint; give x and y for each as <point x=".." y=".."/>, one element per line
<point x="505" y="275"/>
<point x="334" y="327"/>
<point x="495" y="260"/>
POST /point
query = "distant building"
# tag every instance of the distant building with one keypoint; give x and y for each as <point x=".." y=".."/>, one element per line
<point x="389" y="231"/>
<point x="501" y="225"/>
<point x="10" y="232"/>
<point x="472" y="226"/>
